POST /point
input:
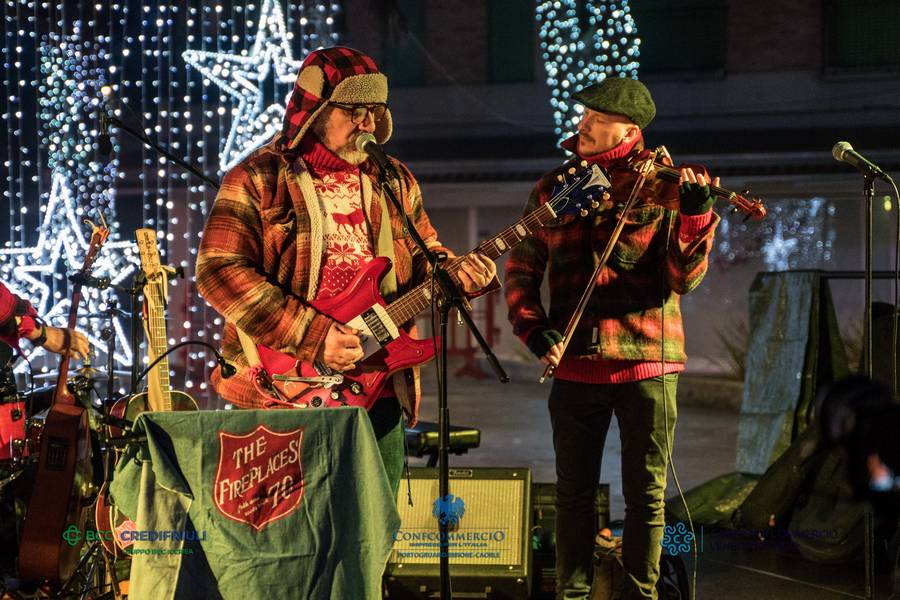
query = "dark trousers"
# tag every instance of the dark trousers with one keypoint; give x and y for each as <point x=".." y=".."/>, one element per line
<point x="581" y="414"/>
<point x="387" y="423"/>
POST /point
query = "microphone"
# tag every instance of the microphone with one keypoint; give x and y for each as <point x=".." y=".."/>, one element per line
<point x="844" y="152"/>
<point x="365" y="142"/>
<point x="227" y="368"/>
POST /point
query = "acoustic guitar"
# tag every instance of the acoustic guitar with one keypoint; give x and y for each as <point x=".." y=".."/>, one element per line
<point x="62" y="483"/>
<point x="159" y="395"/>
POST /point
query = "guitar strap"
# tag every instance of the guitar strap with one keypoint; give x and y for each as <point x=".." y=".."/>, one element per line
<point x="249" y="348"/>
<point x="384" y="242"/>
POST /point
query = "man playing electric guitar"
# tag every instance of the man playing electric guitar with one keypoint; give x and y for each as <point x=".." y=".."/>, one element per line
<point x="296" y="220"/>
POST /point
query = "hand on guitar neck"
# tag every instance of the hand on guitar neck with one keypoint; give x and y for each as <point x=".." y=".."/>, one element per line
<point x="58" y="340"/>
<point x="476" y="272"/>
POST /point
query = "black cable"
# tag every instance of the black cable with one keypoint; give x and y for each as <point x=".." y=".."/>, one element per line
<point x="687" y="511"/>
<point x="227" y="369"/>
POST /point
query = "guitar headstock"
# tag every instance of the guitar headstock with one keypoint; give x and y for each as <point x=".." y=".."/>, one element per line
<point x="579" y="190"/>
<point x="149" y="250"/>
<point x="99" y="233"/>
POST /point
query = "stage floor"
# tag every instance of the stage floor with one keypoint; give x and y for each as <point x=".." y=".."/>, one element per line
<point x="515" y="432"/>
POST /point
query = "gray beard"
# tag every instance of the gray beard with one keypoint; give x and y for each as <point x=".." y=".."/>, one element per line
<point x="350" y="154"/>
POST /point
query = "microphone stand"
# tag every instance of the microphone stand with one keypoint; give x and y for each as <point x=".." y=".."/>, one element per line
<point x="868" y="517"/>
<point x="142" y="137"/>
<point x="137" y="286"/>
<point x="450" y="297"/>
<point x="869" y="193"/>
<point x="110" y="334"/>
<point x="139" y="278"/>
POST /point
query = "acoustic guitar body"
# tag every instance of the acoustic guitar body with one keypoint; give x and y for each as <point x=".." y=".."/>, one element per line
<point x="56" y="503"/>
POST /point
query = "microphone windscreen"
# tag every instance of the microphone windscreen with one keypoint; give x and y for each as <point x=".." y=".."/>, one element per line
<point x="363" y="139"/>
<point x="838" y="150"/>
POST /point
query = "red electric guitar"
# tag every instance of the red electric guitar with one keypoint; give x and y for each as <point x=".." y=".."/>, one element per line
<point x="388" y="348"/>
<point x="62" y="483"/>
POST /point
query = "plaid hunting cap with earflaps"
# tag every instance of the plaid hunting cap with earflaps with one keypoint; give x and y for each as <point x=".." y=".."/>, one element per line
<point x="338" y="74"/>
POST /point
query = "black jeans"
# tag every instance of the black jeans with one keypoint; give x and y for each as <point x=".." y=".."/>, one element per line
<point x="581" y="414"/>
<point x="386" y="417"/>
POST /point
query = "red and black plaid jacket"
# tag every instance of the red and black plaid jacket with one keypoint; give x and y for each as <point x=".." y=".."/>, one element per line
<point x="11" y="306"/>
<point x="646" y="275"/>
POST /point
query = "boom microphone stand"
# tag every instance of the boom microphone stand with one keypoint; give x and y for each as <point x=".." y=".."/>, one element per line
<point x="450" y="297"/>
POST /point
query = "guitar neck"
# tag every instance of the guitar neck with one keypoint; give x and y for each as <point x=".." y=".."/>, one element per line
<point x="159" y="386"/>
<point x="61" y="394"/>
<point x="413" y="302"/>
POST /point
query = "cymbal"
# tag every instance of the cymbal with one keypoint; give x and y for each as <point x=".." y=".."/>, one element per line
<point x="104" y="315"/>
<point x="89" y="372"/>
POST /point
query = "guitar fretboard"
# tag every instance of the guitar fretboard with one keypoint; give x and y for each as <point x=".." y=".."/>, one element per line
<point x="416" y="300"/>
<point x="157" y="339"/>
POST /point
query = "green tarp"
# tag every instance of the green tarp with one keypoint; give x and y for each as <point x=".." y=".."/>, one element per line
<point x="793" y="347"/>
<point x="283" y="503"/>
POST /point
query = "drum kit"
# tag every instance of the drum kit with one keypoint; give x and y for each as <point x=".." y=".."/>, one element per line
<point x="22" y="419"/>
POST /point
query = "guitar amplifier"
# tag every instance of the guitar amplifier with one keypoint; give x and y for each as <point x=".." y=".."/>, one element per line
<point x="489" y="538"/>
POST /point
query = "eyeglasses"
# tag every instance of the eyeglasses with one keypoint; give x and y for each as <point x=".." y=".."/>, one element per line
<point x="359" y="112"/>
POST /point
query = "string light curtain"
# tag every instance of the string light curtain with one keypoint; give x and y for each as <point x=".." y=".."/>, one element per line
<point x="584" y="42"/>
<point x="206" y="80"/>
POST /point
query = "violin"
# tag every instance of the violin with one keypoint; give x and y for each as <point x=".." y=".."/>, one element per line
<point x="661" y="185"/>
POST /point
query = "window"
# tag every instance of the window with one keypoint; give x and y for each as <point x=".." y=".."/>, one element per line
<point x="511" y="43"/>
<point x="687" y="35"/>
<point x="404" y="59"/>
<point x="862" y="34"/>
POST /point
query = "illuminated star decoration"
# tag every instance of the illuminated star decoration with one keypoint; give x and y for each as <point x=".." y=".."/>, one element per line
<point x="798" y="232"/>
<point x="243" y="77"/>
<point x="80" y="188"/>
<point x="575" y="56"/>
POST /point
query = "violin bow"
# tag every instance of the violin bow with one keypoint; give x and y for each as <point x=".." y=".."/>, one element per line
<point x="604" y="258"/>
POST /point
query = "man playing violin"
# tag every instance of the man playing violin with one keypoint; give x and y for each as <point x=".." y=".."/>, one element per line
<point x="628" y="348"/>
<point x="297" y="218"/>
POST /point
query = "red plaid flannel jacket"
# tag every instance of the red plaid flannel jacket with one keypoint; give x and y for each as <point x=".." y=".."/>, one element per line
<point x="256" y="264"/>
<point x="645" y="276"/>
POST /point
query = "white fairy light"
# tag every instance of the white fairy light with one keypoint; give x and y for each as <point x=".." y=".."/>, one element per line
<point x="578" y="52"/>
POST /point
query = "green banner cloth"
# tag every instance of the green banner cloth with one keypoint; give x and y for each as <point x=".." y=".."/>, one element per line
<point x="273" y="503"/>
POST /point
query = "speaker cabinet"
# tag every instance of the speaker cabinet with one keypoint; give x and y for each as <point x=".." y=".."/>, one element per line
<point x="489" y="539"/>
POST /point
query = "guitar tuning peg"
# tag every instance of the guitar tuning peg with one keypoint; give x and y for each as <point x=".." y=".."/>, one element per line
<point x="583" y="212"/>
<point x="605" y="195"/>
<point x="571" y="171"/>
<point x="595" y="204"/>
<point x="560" y="178"/>
<point x="584" y="163"/>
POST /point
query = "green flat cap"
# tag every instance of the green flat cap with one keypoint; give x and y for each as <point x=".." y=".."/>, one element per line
<point x="621" y="96"/>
